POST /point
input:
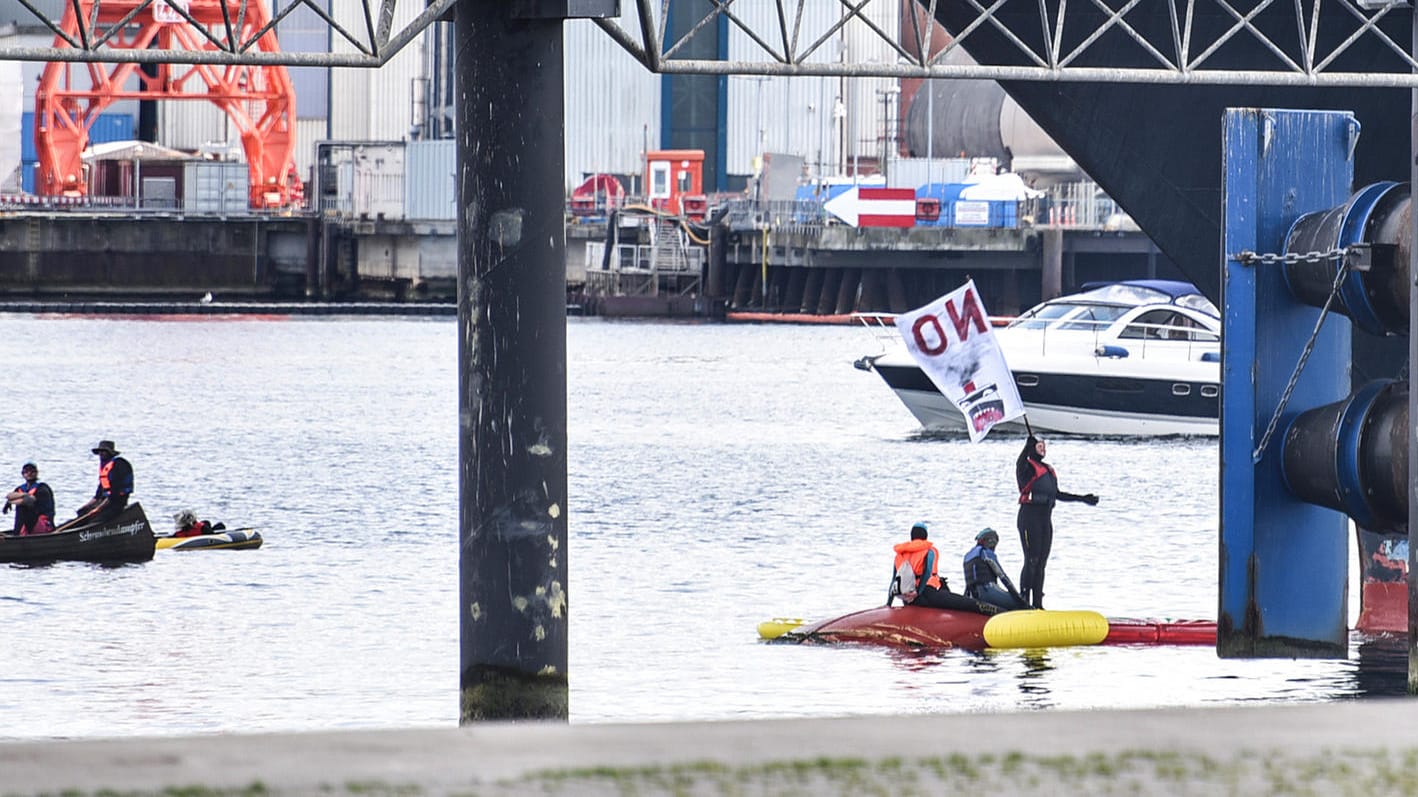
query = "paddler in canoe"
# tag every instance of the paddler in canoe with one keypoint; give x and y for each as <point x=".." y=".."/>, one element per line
<point x="917" y="581"/>
<point x="33" y="503"/>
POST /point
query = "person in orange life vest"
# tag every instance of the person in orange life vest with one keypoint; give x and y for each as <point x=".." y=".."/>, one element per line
<point x="115" y="486"/>
<point x="932" y="590"/>
<point x="1038" y="492"/>
<point x="33" y="503"/>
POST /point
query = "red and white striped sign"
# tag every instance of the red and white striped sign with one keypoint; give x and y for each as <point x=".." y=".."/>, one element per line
<point x="874" y="207"/>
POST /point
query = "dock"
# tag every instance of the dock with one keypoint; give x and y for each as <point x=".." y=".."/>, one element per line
<point x="1342" y="747"/>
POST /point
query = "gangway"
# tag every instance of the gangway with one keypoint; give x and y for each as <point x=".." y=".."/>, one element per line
<point x="259" y="99"/>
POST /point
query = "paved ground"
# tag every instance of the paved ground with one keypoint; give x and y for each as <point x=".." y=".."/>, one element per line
<point x="1368" y="748"/>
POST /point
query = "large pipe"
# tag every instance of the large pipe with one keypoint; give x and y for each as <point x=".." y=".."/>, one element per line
<point x="511" y="366"/>
<point x="1375" y="295"/>
<point x="1352" y="456"/>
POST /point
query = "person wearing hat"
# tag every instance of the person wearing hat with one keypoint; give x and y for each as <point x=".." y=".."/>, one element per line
<point x="983" y="574"/>
<point x="1038" y="492"/>
<point x="115" y="485"/>
<point x="916" y="563"/>
<point x="33" y="503"/>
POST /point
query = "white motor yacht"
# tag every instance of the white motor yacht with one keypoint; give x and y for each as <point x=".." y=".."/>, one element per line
<point x="1134" y="358"/>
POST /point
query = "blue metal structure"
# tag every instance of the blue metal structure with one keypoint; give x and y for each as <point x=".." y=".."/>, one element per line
<point x="1283" y="561"/>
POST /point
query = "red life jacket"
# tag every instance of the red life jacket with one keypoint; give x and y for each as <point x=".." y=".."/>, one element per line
<point x="103" y="477"/>
<point x="1039" y="470"/>
<point x="194" y="530"/>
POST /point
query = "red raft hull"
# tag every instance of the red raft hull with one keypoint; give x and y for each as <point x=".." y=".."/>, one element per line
<point x="902" y="627"/>
<point x="916" y="627"/>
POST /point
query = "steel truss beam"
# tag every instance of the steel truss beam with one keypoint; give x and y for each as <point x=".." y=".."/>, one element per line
<point x="375" y="41"/>
<point x="1306" y="42"/>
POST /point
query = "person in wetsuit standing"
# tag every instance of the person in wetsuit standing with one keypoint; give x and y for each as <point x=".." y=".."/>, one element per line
<point x="1038" y="492"/>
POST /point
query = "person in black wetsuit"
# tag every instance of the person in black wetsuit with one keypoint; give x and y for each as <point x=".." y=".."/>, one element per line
<point x="983" y="574"/>
<point x="1038" y="492"/>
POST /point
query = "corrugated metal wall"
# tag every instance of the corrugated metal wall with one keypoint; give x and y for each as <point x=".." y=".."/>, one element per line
<point x="431" y="180"/>
<point x="374" y="104"/>
<point x="795" y="115"/>
<point x="612" y="103"/>
<point x="307" y="132"/>
<point x="192" y="124"/>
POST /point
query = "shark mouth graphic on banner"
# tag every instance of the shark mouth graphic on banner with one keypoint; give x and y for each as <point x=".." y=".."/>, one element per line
<point x="953" y="342"/>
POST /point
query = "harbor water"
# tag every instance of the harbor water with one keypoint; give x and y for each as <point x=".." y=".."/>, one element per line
<point x="719" y="475"/>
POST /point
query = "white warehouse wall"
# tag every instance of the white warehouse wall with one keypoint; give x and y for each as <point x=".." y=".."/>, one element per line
<point x="612" y="103"/>
<point x="795" y="115"/>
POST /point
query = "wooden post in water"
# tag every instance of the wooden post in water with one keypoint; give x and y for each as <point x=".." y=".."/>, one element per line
<point x="511" y="365"/>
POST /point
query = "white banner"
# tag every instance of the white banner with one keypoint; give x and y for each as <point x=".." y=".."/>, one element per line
<point x="953" y="342"/>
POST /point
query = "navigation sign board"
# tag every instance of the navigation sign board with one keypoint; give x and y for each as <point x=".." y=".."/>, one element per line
<point x="874" y="207"/>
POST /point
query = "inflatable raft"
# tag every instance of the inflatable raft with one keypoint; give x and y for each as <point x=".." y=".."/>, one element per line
<point x="228" y="540"/>
<point x="919" y="627"/>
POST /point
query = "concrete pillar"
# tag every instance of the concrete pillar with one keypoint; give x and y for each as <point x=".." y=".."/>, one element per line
<point x="831" y="283"/>
<point x="743" y="285"/>
<point x="812" y="291"/>
<point x="873" y="297"/>
<point x="896" y="301"/>
<point x="847" y="290"/>
<point x="797" y="278"/>
<point x="511" y="366"/>
<point x="718" y="261"/>
<point x="1051" y="280"/>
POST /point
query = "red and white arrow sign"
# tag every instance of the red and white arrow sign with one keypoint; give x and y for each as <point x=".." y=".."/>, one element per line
<point x="874" y="207"/>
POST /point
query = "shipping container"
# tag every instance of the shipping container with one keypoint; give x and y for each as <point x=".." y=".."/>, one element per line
<point x="215" y="187"/>
<point x="363" y="179"/>
<point x="431" y="180"/>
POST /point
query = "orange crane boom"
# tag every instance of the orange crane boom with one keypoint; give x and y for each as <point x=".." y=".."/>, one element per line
<point x="259" y="100"/>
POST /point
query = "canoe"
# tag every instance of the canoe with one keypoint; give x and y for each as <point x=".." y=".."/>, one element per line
<point x="126" y="538"/>
<point x="918" y="627"/>
<point x="226" y="540"/>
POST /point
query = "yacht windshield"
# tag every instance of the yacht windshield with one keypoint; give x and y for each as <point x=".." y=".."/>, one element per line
<point x="1045" y="314"/>
<point x="1198" y="302"/>
<point x="1094" y="317"/>
<point x="1131" y="295"/>
<point x="1070" y="315"/>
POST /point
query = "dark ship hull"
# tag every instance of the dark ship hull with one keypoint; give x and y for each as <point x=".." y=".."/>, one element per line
<point x="1156" y="148"/>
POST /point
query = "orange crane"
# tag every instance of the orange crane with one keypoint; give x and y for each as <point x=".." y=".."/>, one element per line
<point x="259" y="100"/>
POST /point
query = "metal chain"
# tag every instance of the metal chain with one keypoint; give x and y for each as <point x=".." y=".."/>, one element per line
<point x="1248" y="258"/>
<point x="1300" y="366"/>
